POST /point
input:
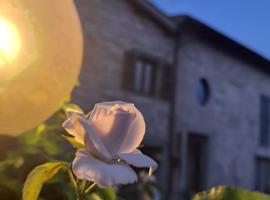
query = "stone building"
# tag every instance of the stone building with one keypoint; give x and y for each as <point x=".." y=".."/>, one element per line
<point x="204" y="96"/>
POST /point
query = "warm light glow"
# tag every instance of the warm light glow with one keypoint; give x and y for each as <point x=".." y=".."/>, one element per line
<point x="41" y="50"/>
<point x="10" y="43"/>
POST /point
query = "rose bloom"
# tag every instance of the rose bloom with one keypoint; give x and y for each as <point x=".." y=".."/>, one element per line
<point x="111" y="135"/>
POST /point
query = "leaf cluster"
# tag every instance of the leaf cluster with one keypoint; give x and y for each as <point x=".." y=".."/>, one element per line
<point x="230" y="193"/>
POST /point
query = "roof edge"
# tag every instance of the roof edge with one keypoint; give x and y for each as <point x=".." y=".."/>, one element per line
<point x="156" y="14"/>
<point x="189" y="23"/>
<point x="177" y="24"/>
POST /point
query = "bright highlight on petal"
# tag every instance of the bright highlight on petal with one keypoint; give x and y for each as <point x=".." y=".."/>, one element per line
<point x="10" y="42"/>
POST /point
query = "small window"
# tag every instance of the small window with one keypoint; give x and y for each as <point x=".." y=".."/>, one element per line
<point x="264" y="120"/>
<point x="202" y="91"/>
<point x="146" y="76"/>
<point x="263" y="175"/>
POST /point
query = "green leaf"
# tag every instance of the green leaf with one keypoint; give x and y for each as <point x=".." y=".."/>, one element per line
<point x="41" y="128"/>
<point x="40" y="175"/>
<point x="230" y="193"/>
<point x="94" y="196"/>
<point x="107" y="194"/>
<point x="102" y="194"/>
<point x="67" y="106"/>
<point x="51" y="147"/>
<point x="73" y="142"/>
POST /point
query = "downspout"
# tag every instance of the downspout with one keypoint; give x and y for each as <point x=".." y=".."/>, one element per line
<point x="172" y="135"/>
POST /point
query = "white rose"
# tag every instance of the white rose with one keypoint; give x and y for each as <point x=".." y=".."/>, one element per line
<point x="111" y="136"/>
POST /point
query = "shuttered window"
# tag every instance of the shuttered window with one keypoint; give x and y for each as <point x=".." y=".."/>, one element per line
<point x="264" y="120"/>
<point x="146" y="76"/>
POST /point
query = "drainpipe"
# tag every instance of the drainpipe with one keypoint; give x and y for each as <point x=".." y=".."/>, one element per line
<point x="172" y="135"/>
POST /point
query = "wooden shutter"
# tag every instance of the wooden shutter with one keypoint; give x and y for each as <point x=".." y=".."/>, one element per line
<point x="166" y="88"/>
<point x="128" y="71"/>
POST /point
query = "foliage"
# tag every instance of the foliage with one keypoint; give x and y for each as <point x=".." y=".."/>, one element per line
<point x="230" y="193"/>
<point x="19" y="155"/>
<point x="102" y="194"/>
<point x="38" y="177"/>
<point x="44" y="144"/>
<point x="73" y="142"/>
<point x="146" y="188"/>
<point x="48" y="142"/>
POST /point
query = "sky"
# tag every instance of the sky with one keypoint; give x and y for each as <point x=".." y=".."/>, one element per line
<point x="246" y="21"/>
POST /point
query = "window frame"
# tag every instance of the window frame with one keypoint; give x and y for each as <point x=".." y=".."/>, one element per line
<point x="203" y="91"/>
<point x="264" y="121"/>
<point x="158" y="66"/>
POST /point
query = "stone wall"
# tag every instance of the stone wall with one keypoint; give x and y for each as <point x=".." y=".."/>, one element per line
<point x="112" y="28"/>
<point x="230" y="118"/>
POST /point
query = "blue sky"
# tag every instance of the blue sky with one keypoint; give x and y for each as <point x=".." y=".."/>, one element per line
<point x="247" y="21"/>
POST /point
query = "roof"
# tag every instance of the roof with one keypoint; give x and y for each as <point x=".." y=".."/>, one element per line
<point x="155" y="14"/>
<point x="197" y="28"/>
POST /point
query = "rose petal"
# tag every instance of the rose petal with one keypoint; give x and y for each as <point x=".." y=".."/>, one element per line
<point x="85" y="166"/>
<point x="77" y="126"/>
<point x="120" y="126"/>
<point x="109" y="105"/>
<point x="134" y="135"/>
<point x="73" y="127"/>
<point x="137" y="159"/>
<point x="112" y="128"/>
<point x="72" y="112"/>
<point x="93" y="143"/>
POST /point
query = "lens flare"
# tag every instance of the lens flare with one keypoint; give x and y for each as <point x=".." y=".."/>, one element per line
<point x="10" y="42"/>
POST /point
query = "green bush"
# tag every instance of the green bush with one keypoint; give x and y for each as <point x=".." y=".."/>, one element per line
<point x="230" y="193"/>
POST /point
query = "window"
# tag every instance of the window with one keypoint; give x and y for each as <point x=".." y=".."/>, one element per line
<point x="263" y="175"/>
<point x="196" y="163"/>
<point x="202" y="91"/>
<point x="146" y="75"/>
<point x="264" y="120"/>
<point x="143" y="80"/>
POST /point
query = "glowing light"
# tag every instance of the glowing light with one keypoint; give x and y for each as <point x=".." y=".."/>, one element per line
<point x="41" y="50"/>
<point x="10" y="42"/>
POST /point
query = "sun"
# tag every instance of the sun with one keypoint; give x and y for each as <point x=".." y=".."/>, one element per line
<point x="10" y="43"/>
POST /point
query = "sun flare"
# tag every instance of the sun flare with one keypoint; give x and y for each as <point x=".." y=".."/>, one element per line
<point x="10" y="42"/>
